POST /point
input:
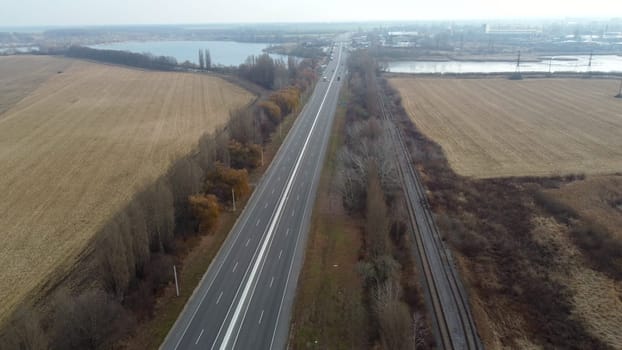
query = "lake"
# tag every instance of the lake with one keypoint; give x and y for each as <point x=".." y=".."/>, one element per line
<point x="604" y="63"/>
<point x="226" y="53"/>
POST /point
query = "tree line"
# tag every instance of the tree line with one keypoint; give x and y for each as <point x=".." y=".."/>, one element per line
<point x="263" y="70"/>
<point x="371" y="193"/>
<point x="139" y="60"/>
<point x="131" y="259"/>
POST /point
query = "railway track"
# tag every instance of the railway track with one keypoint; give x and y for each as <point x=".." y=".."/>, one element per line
<point x="446" y="296"/>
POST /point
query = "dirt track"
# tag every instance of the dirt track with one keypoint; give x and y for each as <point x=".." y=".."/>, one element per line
<point x="75" y="149"/>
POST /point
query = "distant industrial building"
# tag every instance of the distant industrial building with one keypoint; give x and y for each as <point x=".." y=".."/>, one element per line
<point x="512" y="29"/>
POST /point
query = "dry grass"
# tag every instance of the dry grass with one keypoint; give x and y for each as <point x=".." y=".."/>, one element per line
<point x="75" y="150"/>
<point x="20" y="75"/>
<point x="597" y="297"/>
<point x="496" y="127"/>
<point x="597" y="198"/>
<point x="329" y="311"/>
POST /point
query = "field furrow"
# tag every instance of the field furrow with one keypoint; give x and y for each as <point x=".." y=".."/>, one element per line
<point x="75" y="149"/>
<point x="497" y="127"/>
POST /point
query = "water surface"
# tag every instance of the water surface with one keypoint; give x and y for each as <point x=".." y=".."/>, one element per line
<point x="605" y="63"/>
<point x="226" y="53"/>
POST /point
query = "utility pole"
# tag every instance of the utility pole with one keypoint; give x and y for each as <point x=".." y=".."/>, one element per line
<point x="589" y="64"/>
<point x="619" y="95"/>
<point x="518" y="63"/>
<point x="550" y="63"/>
<point x="176" y="284"/>
<point x="233" y="196"/>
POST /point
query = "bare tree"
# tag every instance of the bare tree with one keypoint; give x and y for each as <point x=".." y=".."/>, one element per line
<point x="159" y="209"/>
<point x="23" y="331"/>
<point x="419" y="331"/>
<point x="208" y="60"/>
<point x="140" y="236"/>
<point x="377" y="224"/>
<point x="366" y="141"/>
<point x="201" y="60"/>
<point x="91" y="320"/>
<point x="393" y="317"/>
<point x="113" y="258"/>
<point x="185" y="177"/>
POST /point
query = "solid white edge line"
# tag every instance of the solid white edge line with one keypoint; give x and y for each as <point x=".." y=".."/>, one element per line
<point x="274" y="219"/>
<point x="291" y="265"/>
<point x="253" y="201"/>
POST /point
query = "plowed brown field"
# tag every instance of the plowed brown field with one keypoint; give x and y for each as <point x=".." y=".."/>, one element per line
<point x="497" y="127"/>
<point x="75" y="149"/>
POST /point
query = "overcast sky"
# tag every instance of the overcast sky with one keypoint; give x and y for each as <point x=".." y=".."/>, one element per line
<point x="97" y="12"/>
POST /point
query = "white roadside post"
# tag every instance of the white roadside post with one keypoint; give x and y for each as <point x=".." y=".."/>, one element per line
<point x="176" y="284"/>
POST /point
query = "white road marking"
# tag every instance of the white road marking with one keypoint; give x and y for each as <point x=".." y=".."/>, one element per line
<point x="271" y="281"/>
<point x="197" y="342"/>
<point x="287" y="232"/>
<point x="258" y="221"/>
<point x="293" y="212"/>
<point x="259" y="261"/>
<point x="218" y="300"/>
<point x="297" y="197"/>
<point x="236" y="266"/>
<point x="247" y="242"/>
<point x="260" y="317"/>
<point x="291" y="265"/>
<point x="272" y="190"/>
<point x="280" y="253"/>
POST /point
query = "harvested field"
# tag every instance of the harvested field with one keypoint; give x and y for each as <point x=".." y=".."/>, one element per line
<point x="75" y="150"/>
<point x="538" y="127"/>
<point x="20" y="75"/>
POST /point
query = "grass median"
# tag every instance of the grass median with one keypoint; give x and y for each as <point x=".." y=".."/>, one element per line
<point x="329" y="309"/>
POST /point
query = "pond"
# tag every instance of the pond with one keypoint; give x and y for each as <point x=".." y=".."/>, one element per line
<point x="604" y="63"/>
<point x="226" y="53"/>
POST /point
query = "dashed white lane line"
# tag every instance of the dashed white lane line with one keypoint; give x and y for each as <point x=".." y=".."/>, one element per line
<point x="260" y="317"/>
<point x="259" y="261"/>
<point x="235" y="266"/>
<point x="271" y="281"/>
<point x="266" y="205"/>
<point x="293" y="212"/>
<point x="197" y="342"/>
<point x="287" y="232"/>
<point x="247" y="242"/>
<point x="218" y="300"/>
<point x="258" y="221"/>
<point x="273" y="190"/>
<point x="297" y="197"/>
<point x="281" y="252"/>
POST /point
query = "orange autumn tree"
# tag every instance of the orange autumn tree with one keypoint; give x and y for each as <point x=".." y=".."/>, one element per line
<point x="207" y="210"/>
<point x="221" y="179"/>
<point x="272" y="110"/>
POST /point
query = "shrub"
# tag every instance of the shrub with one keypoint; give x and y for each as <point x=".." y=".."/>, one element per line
<point x="221" y="179"/>
<point x="271" y="110"/>
<point x="244" y="156"/>
<point x="207" y="210"/>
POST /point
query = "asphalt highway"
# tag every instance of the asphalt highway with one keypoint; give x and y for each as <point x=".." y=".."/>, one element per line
<point x="245" y="299"/>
